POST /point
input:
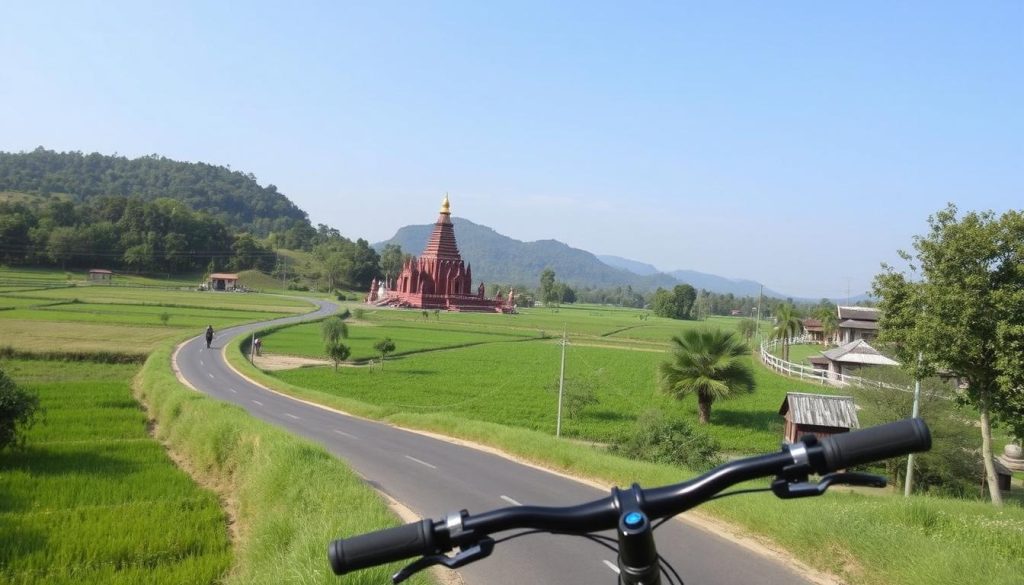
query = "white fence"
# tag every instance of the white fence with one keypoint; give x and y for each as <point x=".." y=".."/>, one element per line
<point x="821" y="376"/>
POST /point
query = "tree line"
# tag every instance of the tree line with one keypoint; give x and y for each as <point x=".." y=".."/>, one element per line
<point x="231" y="196"/>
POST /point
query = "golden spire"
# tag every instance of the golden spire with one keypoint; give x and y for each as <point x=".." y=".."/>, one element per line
<point x="445" y="207"/>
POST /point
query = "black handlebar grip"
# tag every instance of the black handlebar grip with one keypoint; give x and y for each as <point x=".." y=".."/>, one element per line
<point x="875" y="443"/>
<point x="384" y="546"/>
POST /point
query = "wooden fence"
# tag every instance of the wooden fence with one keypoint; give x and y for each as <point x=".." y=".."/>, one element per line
<point x="810" y="374"/>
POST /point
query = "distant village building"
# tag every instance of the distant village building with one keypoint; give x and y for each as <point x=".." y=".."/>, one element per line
<point x="222" y="281"/>
<point x="817" y="414"/>
<point x="100" y="275"/>
<point x="814" y="330"/>
<point x="438" y="279"/>
<point x="847" y="359"/>
<point x="857" y="323"/>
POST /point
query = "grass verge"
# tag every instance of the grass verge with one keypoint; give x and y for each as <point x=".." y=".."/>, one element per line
<point x="288" y="497"/>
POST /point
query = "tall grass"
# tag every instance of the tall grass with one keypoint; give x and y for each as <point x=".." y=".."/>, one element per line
<point x="289" y="496"/>
<point x="94" y="499"/>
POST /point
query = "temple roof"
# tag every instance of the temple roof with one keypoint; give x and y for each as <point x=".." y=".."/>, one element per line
<point x="441" y="244"/>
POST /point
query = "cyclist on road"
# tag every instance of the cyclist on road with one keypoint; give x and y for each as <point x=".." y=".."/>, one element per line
<point x="209" y="335"/>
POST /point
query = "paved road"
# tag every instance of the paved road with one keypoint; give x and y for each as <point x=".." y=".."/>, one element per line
<point x="434" y="477"/>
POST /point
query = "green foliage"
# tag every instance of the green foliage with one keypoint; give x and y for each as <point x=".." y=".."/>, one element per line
<point x="233" y="197"/>
<point x="384" y="347"/>
<point x="333" y="329"/>
<point x="677" y="304"/>
<point x="710" y="363"/>
<point x="18" y="409"/>
<point x="287" y="491"/>
<point x="578" y="393"/>
<point x="953" y="465"/>
<point x="100" y="493"/>
<point x="337" y="351"/>
<point x="962" y="309"/>
<point x="660" y="439"/>
<point x="548" y="292"/>
<point x="165" y="317"/>
<point x="787" y="326"/>
<point x="746" y="328"/>
<point x="346" y="264"/>
<point x="391" y="259"/>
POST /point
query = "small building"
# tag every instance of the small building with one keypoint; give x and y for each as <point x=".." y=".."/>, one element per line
<point x="820" y="415"/>
<point x="845" y="360"/>
<point x="222" y="281"/>
<point x="100" y="275"/>
<point x="856" y="323"/>
<point x="814" y="329"/>
<point x="1003" y="475"/>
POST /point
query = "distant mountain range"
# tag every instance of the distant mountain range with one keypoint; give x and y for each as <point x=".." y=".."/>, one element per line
<point x="498" y="258"/>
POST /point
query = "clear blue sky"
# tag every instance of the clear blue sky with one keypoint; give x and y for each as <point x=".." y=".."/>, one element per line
<point x="798" y="144"/>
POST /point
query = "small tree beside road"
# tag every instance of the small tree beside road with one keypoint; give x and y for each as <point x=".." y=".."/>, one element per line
<point x="384" y="347"/>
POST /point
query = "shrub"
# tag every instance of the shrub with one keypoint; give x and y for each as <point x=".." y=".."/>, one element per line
<point x="18" y="409"/>
<point x="660" y="439"/>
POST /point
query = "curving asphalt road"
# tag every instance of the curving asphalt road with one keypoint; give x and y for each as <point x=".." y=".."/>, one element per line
<point x="433" y="477"/>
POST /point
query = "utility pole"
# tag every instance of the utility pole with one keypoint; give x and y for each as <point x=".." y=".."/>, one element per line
<point x="759" y="294"/>
<point x="909" y="484"/>
<point x="561" y="383"/>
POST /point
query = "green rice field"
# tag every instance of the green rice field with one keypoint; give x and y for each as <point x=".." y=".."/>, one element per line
<point x="120" y="319"/>
<point x="93" y="498"/>
<point x="496" y="368"/>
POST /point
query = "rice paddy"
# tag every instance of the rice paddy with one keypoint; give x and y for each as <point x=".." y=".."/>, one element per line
<point x="93" y="498"/>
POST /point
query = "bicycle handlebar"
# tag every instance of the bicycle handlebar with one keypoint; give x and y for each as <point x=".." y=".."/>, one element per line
<point x="431" y="537"/>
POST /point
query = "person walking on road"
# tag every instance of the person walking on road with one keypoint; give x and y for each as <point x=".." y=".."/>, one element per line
<point x="209" y="335"/>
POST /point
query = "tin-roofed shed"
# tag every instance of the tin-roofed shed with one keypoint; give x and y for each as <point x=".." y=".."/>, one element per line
<point x="817" y="414"/>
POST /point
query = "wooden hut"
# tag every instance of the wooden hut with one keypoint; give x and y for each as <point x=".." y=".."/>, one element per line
<point x="817" y="414"/>
<point x="100" y="275"/>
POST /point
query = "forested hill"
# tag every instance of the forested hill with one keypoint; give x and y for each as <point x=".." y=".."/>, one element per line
<point x="498" y="258"/>
<point x="231" y="196"/>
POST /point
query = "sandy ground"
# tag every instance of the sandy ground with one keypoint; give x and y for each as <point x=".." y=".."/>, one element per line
<point x="270" y="361"/>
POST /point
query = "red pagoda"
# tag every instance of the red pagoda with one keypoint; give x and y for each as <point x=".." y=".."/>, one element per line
<point x="438" y="279"/>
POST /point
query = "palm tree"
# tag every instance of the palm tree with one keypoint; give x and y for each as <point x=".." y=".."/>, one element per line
<point x="787" y="326"/>
<point x="829" y="322"/>
<point x="711" y="363"/>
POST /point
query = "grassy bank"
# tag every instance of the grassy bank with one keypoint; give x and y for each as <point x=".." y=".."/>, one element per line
<point x="93" y="498"/>
<point x="288" y="496"/>
<point x="864" y="539"/>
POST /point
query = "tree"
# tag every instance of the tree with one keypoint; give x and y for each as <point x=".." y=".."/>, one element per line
<point x="826" y="313"/>
<point x="333" y="330"/>
<point x="962" y="308"/>
<point x="18" y="410"/>
<point x="391" y="260"/>
<point x="746" y="328"/>
<point x="952" y="466"/>
<point x="711" y="363"/>
<point x="338" y="352"/>
<point x="674" y="304"/>
<point x="787" y="326"/>
<point x="384" y="347"/>
<point x="548" y="294"/>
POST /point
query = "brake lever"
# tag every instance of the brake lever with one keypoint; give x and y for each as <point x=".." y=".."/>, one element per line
<point x="481" y="549"/>
<point x="786" y="489"/>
